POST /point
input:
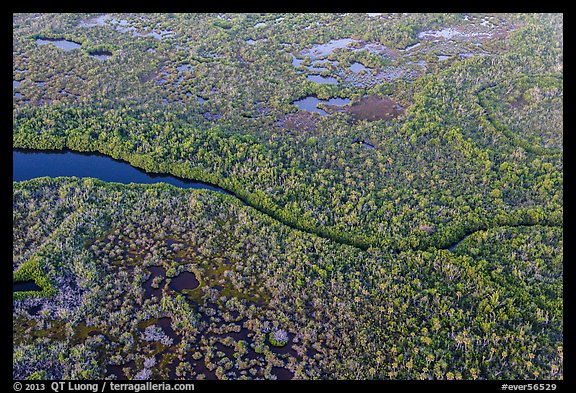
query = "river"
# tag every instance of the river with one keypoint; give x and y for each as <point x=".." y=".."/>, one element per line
<point x="29" y="164"/>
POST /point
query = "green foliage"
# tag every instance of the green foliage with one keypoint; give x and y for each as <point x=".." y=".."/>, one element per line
<point x="274" y="341"/>
<point x="435" y="254"/>
<point x="32" y="270"/>
<point x="405" y="315"/>
<point x="37" y="376"/>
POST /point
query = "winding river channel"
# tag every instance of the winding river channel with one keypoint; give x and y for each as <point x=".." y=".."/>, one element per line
<point x="29" y="164"/>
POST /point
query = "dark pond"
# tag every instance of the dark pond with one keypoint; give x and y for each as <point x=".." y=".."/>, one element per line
<point x="149" y="290"/>
<point x="281" y="373"/>
<point x="166" y="324"/>
<point x="23" y="286"/>
<point x="101" y="55"/>
<point x="32" y="164"/>
<point x="328" y="80"/>
<point x="310" y="104"/>
<point x="34" y="309"/>
<point x="185" y="280"/>
<point x="63" y="44"/>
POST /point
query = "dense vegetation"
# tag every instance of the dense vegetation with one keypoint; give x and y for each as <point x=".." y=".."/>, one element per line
<point x="471" y="156"/>
<point x="272" y="301"/>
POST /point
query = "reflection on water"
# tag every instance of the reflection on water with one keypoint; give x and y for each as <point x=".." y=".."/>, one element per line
<point x="322" y="79"/>
<point x="296" y="61"/>
<point x="184" y="67"/>
<point x="326" y="49"/>
<point x="24" y="286"/>
<point x="101" y="57"/>
<point x="31" y="164"/>
<point x="357" y="67"/>
<point x="62" y="44"/>
<point x="310" y="104"/>
<point x="98" y="21"/>
<point x="185" y="280"/>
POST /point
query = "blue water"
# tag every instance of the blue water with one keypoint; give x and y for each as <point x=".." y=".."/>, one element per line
<point x="184" y="67"/>
<point x="310" y="104"/>
<point x="24" y="286"/>
<point x="321" y="50"/>
<point x="328" y="80"/>
<point x="101" y="57"/>
<point x="63" y="44"/>
<point x="31" y="164"/>
<point x="357" y="67"/>
<point x="296" y="61"/>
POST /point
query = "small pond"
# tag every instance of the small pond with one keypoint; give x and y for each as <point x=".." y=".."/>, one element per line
<point x="62" y="44"/>
<point x="101" y="54"/>
<point x="328" y="80"/>
<point x="24" y="286"/>
<point x="321" y="50"/>
<point x="184" y="67"/>
<point x="185" y="280"/>
<point x="149" y="290"/>
<point x="357" y="67"/>
<point x="310" y="104"/>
